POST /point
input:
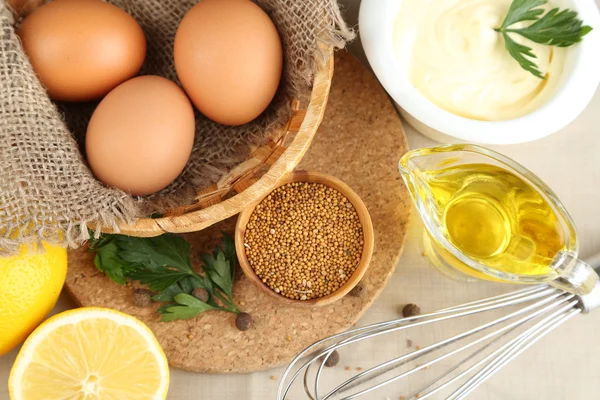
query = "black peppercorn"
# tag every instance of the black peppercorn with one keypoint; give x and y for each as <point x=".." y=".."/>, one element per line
<point x="243" y="321"/>
<point x="411" y="310"/>
<point x="333" y="360"/>
<point x="201" y="294"/>
<point x="358" y="291"/>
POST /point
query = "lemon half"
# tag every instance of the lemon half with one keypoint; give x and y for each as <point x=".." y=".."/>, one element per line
<point x="30" y="283"/>
<point x="93" y="354"/>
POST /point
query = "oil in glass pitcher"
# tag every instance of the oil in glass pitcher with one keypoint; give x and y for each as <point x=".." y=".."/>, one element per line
<point x="490" y="218"/>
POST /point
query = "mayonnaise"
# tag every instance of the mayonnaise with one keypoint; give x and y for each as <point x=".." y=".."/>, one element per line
<point x="456" y="59"/>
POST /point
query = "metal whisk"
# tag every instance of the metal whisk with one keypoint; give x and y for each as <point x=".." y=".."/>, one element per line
<point x="482" y="350"/>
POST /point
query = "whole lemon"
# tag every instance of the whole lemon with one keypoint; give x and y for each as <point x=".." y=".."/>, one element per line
<point x="29" y="287"/>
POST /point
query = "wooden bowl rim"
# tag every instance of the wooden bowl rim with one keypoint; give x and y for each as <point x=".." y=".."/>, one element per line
<point x="368" y="239"/>
<point x="203" y="218"/>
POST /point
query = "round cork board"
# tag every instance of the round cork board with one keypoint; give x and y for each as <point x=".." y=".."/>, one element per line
<point x="360" y="142"/>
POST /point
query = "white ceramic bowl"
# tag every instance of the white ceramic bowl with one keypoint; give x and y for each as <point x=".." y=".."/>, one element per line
<point x="578" y="84"/>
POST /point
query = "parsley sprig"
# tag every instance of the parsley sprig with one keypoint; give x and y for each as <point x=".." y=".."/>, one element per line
<point x="164" y="264"/>
<point x="557" y="27"/>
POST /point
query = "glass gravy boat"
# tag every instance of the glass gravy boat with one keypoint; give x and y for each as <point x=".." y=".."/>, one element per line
<point x="487" y="217"/>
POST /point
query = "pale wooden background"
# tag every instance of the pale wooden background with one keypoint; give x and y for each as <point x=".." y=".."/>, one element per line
<point x="564" y="365"/>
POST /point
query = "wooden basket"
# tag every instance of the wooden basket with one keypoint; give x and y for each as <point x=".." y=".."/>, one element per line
<point x="247" y="183"/>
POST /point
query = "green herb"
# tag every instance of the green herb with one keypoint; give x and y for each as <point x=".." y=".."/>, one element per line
<point x="557" y="27"/>
<point x="187" y="307"/>
<point x="164" y="264"/>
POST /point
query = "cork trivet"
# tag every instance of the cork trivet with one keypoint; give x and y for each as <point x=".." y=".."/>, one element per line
<point x="360" y="141"/>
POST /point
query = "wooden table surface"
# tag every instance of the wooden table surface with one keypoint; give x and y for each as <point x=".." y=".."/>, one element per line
<point x="563" y="365"/>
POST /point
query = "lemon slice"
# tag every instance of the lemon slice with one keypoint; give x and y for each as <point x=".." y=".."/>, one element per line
<point x="90" y="354"/>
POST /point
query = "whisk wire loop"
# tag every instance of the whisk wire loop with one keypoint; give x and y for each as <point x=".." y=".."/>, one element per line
<point x="541" y="310"/>
<point x="515" y="348"/>
<point x="454" y="339"/>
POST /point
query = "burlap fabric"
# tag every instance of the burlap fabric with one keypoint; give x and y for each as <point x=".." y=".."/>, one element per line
<point x="46" y="189"/>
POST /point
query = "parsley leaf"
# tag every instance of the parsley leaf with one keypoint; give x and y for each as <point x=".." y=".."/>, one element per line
<point x="167" y="250"/>
<point x="160" y="261"/>
<point x="555" y="28"/>
<point x="158" y="279"/>
<point x="188" y="307"/>
<point x="229" y="251"/>
<point x="520" y="53"/>
<point x="108" y="261"/>
<point x="164" y="264"/>
<point x="168" y="295"/>
<point x="187" y="285"/>
<point x="523" y="10"/>
<point x="219" y="271"/>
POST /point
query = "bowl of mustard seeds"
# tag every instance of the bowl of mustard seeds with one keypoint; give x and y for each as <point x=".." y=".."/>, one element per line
<point x="308" y="242"/>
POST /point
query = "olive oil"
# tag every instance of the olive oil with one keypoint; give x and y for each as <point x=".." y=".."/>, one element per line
<point x="493" y="217"/>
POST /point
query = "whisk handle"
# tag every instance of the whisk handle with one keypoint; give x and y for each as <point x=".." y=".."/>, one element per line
<point x="592" y="300"/>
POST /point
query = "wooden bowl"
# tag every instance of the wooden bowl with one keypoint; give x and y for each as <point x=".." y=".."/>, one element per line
<point x="368" y="238"/>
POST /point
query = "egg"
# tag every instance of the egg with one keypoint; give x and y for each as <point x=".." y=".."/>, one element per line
<point x="228" y="58"/>
<point x="82" y="49"/>
<point x="141" y="135"/>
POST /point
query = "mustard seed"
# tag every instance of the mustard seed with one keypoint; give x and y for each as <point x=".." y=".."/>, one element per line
<point x="304" y="240"/>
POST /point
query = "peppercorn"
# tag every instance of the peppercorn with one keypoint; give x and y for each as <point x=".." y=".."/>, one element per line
<point x="333" y="359"/>
<point x="304" y="240"/>
<point x="142" y="297"/>
<point x="358" y="290"/>
<point x="201" y="294"/>
<point x="411" y="310"/>
<point x="243" y="321"/>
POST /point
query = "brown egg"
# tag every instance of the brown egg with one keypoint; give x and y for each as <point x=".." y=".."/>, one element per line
<point x="141" y="135"/>
<point x="82" y="49"/>
<point x="229" y="59"/>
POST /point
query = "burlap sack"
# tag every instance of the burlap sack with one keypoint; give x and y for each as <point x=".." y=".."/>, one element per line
<point x="46" y="189"/>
